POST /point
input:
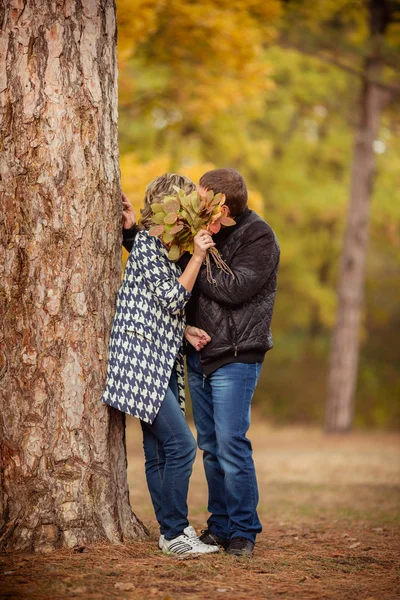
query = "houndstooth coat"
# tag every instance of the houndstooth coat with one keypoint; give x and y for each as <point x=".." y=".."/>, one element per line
<point x="147" y="333"/>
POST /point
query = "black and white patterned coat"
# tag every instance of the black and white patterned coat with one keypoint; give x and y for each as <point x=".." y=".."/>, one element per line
<point x="147" y="333"/>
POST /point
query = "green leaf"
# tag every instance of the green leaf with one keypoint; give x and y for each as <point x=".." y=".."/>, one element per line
<point x="168" y="237"/>
<point x="209" y="195"/>
<point x="192" y="213"/>
<point x="157" y="207"/>
<point x="221" y="198"/>
<point x="171" y="206"/>
<point x="185" y="235"/>
<point x="197" y="223"/>
<point x="185" y="215"/>
<point x="176" y="228"/>
<point x="181" y="193"/>
<point x="195" y="201"/>
<point x="174" y="252"/>
<point x="170" y="218"/>
<point x="185" y="202"/>
<point x="157" y="230"/>
<point x="215" y="200"/>
<point x="159" y="217"/>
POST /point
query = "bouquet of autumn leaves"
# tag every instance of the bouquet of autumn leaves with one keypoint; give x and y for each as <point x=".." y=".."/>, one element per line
<point x="177" y="219"/>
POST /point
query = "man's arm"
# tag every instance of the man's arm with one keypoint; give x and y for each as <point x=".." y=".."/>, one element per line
<point x="130" y="228"/>
<point x="128" y="237"/>
<point x="252" y="265"/>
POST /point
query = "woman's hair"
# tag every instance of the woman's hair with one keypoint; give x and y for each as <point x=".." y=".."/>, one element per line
<point x="157" y="190"/>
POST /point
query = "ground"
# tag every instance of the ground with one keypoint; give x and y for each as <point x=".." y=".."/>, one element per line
<point x="330" y="511"/>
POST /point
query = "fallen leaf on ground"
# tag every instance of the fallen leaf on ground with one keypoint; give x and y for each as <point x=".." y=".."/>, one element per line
<point x="124" y="587"/>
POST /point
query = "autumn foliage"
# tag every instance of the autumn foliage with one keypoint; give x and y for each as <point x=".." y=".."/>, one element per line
<point x="178" y="219"/>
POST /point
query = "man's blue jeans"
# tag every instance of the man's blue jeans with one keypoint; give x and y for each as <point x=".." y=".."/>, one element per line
<point x="170" y="450"/>
<point x="221" y="411"/>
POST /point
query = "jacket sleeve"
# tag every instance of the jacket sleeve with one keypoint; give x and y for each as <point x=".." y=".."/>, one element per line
<point x="252" y="265"/>
<point x="157" y="275"/>
<point x="128" y="237"/>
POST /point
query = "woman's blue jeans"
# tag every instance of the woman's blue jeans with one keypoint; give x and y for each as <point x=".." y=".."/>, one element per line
<point x="221" y="411"/>
<point x="170" y="450"/>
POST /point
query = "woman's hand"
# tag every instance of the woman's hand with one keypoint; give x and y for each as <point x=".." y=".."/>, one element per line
<point x="197" y="337"/>
<point x="128" y="213"/>
<point x="202" y="242"/>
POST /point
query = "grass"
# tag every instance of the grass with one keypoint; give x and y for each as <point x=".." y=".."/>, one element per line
<point x="330" y="511"/>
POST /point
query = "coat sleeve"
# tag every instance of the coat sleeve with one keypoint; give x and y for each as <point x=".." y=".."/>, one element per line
<point x="252" y="265"/>
<point x="158" y="276"/>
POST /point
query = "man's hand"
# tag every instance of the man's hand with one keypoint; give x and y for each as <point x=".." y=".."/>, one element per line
<point x="197" y="337"/>
<point x="128" y="213"/>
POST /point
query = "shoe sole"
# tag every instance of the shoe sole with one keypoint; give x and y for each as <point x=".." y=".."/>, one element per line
<point x="188" y="553"/>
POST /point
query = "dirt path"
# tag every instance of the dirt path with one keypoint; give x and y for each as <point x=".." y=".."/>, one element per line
<point x="330" y="512"/>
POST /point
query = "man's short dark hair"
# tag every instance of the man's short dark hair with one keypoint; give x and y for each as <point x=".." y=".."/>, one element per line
<point x="230" y="183"/>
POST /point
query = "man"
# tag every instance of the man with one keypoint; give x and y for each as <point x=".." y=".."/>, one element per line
<point x="236" y="312"/>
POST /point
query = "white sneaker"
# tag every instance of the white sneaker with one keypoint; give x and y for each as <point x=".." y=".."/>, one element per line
<point x="185" y="545"/>
<point x="189" y="531"/>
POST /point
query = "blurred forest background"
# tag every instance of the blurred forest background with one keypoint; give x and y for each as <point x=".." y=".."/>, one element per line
<point x="271" y="89"/>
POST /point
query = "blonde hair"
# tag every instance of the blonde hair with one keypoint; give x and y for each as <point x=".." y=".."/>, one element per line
<point x="157" y="190"/>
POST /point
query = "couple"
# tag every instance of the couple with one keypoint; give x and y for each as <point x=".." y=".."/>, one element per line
<point x="225" y="339"/>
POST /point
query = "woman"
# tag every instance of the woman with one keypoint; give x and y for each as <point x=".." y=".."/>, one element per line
<point x="145" y="376"/>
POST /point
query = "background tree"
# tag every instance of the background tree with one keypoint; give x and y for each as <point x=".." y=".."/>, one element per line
<point x="293" y="141"/>
<point x="357" y="38"/>
<point x="63" y="469"/>
<point x="374" y="96"/>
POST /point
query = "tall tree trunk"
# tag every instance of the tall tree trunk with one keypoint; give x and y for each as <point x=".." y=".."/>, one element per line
<point x="63" y="470"/>
<point x="343" y="368"/>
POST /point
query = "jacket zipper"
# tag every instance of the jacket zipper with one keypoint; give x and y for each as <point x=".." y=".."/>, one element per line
<point x="234" y="332"/>
<point x="204" y="376"/>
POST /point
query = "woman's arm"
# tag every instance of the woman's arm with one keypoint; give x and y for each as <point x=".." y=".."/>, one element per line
<point x="172" y="293"/>
<point x="202" y="242"/>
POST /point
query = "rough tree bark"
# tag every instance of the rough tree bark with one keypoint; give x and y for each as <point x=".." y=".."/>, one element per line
<point x="343" y="367"/>
<point x="63" y="468"/>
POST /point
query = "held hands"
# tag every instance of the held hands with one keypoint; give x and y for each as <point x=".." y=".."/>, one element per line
<point x="128" y="213"/>
<point x="197" y="337"/>
<point x="202" y="242"/>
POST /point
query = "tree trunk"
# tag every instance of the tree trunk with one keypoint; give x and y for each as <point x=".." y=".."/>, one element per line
<point x="63" y="468"/>
<point x="343" y="368"/>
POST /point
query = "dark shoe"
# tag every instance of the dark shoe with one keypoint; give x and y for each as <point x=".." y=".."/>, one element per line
<point x="212" y="539"/>
<point x="240" y="546"/>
